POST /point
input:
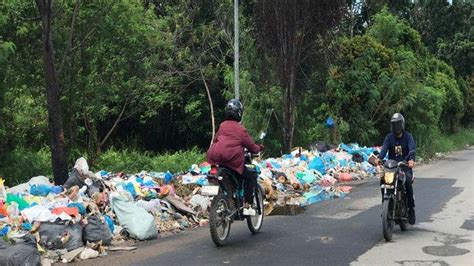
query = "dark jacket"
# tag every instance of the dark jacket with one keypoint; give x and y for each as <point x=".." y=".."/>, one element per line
<point x="398" y="148"/>
<point x="227" y="148"/>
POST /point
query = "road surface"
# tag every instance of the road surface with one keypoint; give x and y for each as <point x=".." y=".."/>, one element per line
<point x="341" y="231"/>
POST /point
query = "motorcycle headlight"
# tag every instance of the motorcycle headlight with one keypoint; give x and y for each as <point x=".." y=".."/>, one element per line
<point x="388" y="177"/>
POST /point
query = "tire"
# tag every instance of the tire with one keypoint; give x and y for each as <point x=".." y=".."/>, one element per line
<point x="403" y="223"/>
<point x="219" y="227"/>
<point x="255" y="222"/>
<point x="387" y="221"/>
<point x="403" y="226"/>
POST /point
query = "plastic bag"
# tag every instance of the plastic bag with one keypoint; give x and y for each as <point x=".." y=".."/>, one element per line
<point x="39" y="213"/>
<point x="59" y="236"/>
<point x="43" y="190"/>
<point x="96" y="230"/>
<point x="318" y="165"/>
<point x="23" y="253"/>
<point x="110" y="223"/>
<point x="22" y="204"/>
<point x="79" y="206"/>
<point x="137" y="221"/>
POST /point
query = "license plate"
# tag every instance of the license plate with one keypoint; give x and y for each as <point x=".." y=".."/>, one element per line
<point x="210" y="190"/>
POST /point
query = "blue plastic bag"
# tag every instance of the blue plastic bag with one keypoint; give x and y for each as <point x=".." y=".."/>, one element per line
<point x="139" y="180"/>
<point x="26" y="226"/>
<point x="131" y="189"/>
<point x="314" y="196"/>
<point x="40" y="190"/>
<point x="79" y="206"/>
<point x="56" y="189"/>
<point x="4" y="231"/>
<point x="202" y="181"/>
<point x="168" y="177"/>
<point x="318" y="165"/>
<point x="330" y="122"/>
<point x="110" y="223"/>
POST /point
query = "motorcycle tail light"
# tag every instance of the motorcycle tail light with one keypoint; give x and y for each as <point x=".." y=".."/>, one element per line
<point x="388" y="177"/>
<point x="213" y="170"/>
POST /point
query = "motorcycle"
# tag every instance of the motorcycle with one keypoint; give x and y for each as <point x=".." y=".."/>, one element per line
<point x="227" y="205"/>
<point x="394" y="208"/>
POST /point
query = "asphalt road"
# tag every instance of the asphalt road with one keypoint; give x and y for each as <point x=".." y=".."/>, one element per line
<point x="341" y="231"/>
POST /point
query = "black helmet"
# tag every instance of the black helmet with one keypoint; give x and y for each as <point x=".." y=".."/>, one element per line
<point x="234" y="110"/>
<point x="397" y="123"/>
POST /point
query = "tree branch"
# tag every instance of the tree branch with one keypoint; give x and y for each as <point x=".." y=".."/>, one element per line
<point x="210" y="105"/>
<point x="71" y="36"/>
<point x="114" y="125"/>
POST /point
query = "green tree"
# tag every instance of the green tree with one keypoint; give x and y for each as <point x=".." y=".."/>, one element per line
<point x="388" y="70"/>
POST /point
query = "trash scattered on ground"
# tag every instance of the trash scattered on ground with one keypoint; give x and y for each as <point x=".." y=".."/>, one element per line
<point x="93" y="213"/>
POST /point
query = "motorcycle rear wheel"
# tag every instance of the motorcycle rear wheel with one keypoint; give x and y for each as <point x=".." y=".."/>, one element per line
<point x="255" y="222"/>
<point x="403" y="225"/>
<point x="387" y="220"/>
<point x="218" y="225"/>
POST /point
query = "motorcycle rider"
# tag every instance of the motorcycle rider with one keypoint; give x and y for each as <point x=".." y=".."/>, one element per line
<point x="227" y="149"/>
<point x="400" y="146"/>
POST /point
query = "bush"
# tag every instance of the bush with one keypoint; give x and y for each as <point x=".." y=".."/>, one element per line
<point x="134" y="161"/>
<point x="21" y="164"/>
<point x="386" y="71"/>
<point x="446" y="143"/>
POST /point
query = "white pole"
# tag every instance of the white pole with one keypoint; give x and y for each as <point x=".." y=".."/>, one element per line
<point x="236" y="49"/>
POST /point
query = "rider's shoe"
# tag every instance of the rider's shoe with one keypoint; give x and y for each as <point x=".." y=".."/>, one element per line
<point x="411" y="216"/>
<point x="250" y="211"/>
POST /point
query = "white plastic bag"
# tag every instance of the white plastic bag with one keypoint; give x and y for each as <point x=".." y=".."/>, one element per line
<point x="136" y="220"/>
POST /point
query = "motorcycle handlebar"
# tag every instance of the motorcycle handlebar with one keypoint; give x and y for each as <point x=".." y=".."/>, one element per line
<point x="403" y="163"/>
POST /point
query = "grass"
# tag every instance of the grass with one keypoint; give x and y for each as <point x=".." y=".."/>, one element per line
<point x="134" y="161"/>
<point x="21" y="164"/>
<point x="445" y="143"/>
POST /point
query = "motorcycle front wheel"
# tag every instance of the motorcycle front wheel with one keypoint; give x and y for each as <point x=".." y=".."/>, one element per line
<point x="218" y="224"/>
<point x="387" y="220"/>
<point x="255" y="222"/>
<point x="403" y="214"/>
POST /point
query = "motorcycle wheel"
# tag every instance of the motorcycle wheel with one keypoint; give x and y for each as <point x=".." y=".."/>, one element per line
<point x="219" y="227"/>
<point x="255" y="222"/>
<point x="403" y="223"/>
<point x="387" y="220"/>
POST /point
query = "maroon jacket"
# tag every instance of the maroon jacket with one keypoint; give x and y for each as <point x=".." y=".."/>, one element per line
<point x="227" y="148"/>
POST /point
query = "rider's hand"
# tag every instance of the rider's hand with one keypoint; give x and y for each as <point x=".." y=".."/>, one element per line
<point x="261" y="147"/>
<point x="411" y="163"/>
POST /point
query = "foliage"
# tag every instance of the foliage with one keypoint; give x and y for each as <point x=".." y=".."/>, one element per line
<point x="129" y="161"/>
<point x="387" y="70"/>
<point x="446" y="143"/>
<point x="22" y="164"/>
<point x="133" y="78"/>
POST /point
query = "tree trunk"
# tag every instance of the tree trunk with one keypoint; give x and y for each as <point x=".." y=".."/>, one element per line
<point x="58" y="153"/>
<point x="211" y="106"/>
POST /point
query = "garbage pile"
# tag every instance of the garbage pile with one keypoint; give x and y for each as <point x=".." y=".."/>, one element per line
<point x="92" y="213"/>
<point x="95" y="213"/>
<point x="305" y="177"/>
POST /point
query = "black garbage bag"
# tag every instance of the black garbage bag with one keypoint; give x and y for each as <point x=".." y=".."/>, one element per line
<point x="22" y="253"/>
<point x="60" y="236"/>
<point x="321" y="146"/>
<point x="74" y="179"/>
<point x="96" y="230"/>
<point x="358" y="158"/>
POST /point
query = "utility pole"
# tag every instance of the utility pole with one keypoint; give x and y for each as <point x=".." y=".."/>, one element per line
<point x="236" y="49"/>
